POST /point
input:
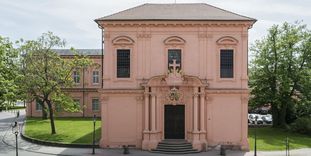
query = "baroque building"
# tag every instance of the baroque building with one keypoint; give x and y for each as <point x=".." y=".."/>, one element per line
<point x="175" y="71"/>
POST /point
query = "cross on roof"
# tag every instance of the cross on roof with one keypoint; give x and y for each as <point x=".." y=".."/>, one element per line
<point x="174" y="65"/>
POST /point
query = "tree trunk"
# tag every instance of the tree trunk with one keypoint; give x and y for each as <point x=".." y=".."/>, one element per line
<point x="275" y="115"/>
<point x="53" y="130"/>
<point x="282" y="115"/>
<point x="44" y="112"/>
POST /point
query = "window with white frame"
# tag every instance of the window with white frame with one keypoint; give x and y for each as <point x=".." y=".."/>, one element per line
<point x="95" y="77"/>
<point x="95" y="104"/>
<point x="76" y="76"/>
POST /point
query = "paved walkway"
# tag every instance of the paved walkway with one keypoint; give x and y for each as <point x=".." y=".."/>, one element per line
<point x="7" y="145"/>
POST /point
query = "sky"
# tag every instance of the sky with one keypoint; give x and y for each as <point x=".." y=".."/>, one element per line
<point x="73" y="20"/>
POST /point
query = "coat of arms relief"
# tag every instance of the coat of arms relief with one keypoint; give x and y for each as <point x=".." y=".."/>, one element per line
<point x="174" y="79"/>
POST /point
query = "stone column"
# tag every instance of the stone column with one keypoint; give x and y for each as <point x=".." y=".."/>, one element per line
<point x="202" y="110"/>
<point x="195" y="113"/>
<point x="202" y="119"/>
<point x="153" y="112"/>
<point x="146" y="132"/>
<point x="195" y="133"/>
<point x="146" y="112"/>
<point x="195" y="110"/>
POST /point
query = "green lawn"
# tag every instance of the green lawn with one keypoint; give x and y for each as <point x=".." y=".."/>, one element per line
<point x="270" y="139"/>
<point x="69" y="130"/>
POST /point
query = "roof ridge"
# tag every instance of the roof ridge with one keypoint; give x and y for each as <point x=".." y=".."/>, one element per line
<point x="229" y="11"/>
<point x="122" y="11"/>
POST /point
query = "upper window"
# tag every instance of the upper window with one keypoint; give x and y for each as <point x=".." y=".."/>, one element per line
<point x="226" y="63"/>
<point x="95" y="104"/>
<point x="76" y="77"/>
<point x="174" y="54"/>
<point x="38" y="105"/>
<point x="95" y="77"/>
<point x="123" y="63"/>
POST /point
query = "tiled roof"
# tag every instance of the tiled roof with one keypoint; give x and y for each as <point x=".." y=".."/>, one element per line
<point x="179" y="11"/>
<point x="79" y="51"/>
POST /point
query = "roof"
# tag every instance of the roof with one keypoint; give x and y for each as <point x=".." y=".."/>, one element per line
<point x="79" y="51"/>
<point x="178" y="11"/>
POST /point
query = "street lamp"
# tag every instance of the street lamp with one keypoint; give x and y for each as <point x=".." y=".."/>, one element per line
<point x="255" y="148"/>
<point x="94" y="122"/>
<point x="15" y="131"/>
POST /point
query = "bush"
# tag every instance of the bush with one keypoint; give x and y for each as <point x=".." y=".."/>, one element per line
<point x="302" y="125"/>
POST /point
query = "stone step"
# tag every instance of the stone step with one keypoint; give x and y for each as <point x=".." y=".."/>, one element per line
<point x="177" y="153"/>
<point x="174" y="147"/>
<point x="175" y="150"/>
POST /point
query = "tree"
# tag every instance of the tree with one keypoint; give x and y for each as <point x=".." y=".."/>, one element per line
<point x="46" y="74"/>
<point x="8" y="72"/>
<point x="280" y="71"/>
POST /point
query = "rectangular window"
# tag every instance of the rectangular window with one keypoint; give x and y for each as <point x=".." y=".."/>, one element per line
<point x="58" y="108"/>
<point x="77" y="102"/>
<point x="95" y="104"/>
<point x="123" y="63"/>
<point x="95" y="77"/>
<point x="226" y="63"/>
<point x="76" y="77"/>
<point x="174" y="54"/>
<point x="38" y="105"/>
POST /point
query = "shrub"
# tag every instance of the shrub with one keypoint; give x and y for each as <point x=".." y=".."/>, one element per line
<point x="302" y="125"/>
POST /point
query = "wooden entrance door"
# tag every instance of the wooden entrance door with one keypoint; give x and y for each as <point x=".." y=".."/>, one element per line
<point x="174" y="126"/>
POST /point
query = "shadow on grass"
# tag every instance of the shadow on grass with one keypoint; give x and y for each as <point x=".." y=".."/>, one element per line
<point x="88" y="138"/>
<point x="274" y="139"/>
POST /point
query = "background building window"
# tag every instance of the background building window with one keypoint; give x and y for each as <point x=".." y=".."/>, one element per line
<point x="38" y="105"/>
<point x="123" y="63"/>
<point x="95" y="104"/>
<point x="58" y="108"/>
<point x="77" y="102"/>
<point x="226" y="63"/>
<point x="174" y="54"/>
<point x="95" y="76"/>
<point x="76" y="77"/>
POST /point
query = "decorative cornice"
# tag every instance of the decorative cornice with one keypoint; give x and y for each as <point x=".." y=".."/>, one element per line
<point x="227" y="91"/>
<point x="106" y="24"/>
<point x="122" y="91"/>
<point x="73" y="89"/>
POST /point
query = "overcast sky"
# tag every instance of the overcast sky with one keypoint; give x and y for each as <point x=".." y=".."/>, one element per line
<point x="73" y="20"/>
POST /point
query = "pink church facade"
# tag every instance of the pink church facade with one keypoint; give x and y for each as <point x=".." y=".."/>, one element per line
<point x="169" y="75"/>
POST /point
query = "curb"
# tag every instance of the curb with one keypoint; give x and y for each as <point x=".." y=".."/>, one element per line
<point x="56" y="144"/>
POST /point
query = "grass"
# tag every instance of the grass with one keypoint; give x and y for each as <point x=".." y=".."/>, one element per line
<point x="68" y="130"/>
<point x="271" y="139"/>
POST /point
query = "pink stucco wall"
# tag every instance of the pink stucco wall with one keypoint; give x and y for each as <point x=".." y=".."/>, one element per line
<point x="224" y="101"/>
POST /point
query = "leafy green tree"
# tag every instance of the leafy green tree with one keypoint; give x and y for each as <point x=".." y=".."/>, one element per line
<point x="8" y="72"/>
<point x="46" y="74"/>
<point x="280" y="72"/>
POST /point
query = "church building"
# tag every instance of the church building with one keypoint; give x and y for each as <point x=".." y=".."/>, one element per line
<point x="174" y="72"/>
